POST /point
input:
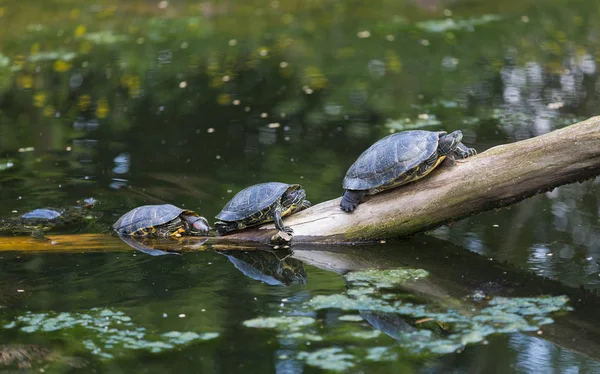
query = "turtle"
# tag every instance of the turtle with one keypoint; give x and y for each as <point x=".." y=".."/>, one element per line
<point x="398" y="159"/>
<point x="40" y="220"/>
<point x="161" y="246"/>
<point x="261" y="203"/>
<point x="164" y="220"/>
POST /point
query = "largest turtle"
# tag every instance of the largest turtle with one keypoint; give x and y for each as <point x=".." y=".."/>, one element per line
<point x="262" y="203"/>
<point x="398" y="159"/>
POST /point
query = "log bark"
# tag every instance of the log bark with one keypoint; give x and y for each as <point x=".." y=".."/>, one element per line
<point x="498" y="177"/>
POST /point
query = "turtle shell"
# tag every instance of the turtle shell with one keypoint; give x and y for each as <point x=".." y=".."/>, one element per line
<point x="252" y="200"/>
<point x="145" y="217"/>
<point x="45" y="213"/>
<point x="389" y="158"/>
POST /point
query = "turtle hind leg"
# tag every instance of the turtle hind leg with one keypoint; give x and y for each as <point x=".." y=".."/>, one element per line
<point x="351" y="199"/>
<point x="223" y="228"/>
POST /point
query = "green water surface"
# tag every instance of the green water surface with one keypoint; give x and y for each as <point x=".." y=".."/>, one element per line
<point x="187" y="103"/>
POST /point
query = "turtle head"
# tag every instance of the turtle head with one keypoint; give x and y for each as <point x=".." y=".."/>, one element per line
<point x="449" y="142"/>
<point x="197" y="225"/>
<point x="293" y="197"/>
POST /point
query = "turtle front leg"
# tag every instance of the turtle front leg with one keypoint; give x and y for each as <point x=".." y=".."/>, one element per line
<point x="223" y="228"/>
<point x="279" y="221"/>
<point x="462" y="151"/>
<point x="351" y="199"/>
<point x="305" y="204"/>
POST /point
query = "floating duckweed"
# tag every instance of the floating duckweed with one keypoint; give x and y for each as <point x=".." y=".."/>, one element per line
<point x="366" y="334"/>
<point x="52" y="56"/>
<point x="394" y="318"/>
<point x="448" y="24"/>
<point x="4" y="61"/>
<point x="418" y="123"/>
<point x="290" y="323"/>
<point x="178" y="338"/>
<point x="328" y="359"/>
<point x="105" y="37"/>
<point x="304" y="337"/>
<point x="386" y="278"/>
<point x="379" y="354"/>
<point x="358" y="291"/>
<point x="108" y="331"/>
<point x="351" y="317"/>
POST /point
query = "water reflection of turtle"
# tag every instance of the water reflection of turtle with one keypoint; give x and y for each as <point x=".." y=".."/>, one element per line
<point x="161" y="221"/>
<point x="272" y="268"/>
<point x="161" y="246"/>
<point x="261" y="203"/>
<point x="398" y="159"/>
<point x="40" y="220"/>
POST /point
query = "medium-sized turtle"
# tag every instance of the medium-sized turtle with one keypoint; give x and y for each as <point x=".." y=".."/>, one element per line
<point x="161" y="221"/>
<point x="398" y="159"/>
<point x="261" y="203"/>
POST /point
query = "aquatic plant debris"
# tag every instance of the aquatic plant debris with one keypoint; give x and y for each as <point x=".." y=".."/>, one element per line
<point x="346" y="342"/>
<point x="291" y="323"/>
<point x="328" y="359"/>
<point x="108" y="333"/>
<point x="449" y="24"/>
<point x="386" y="278"/>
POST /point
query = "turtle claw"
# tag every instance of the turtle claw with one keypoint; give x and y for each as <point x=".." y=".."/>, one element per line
<point x="347" y="207"/>
<point x="281" y="238"/>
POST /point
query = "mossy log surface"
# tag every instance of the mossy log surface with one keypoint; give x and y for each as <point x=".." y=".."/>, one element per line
<point x="498" y="177"/>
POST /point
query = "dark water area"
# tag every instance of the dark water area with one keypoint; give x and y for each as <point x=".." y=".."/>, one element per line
<point x="188" y="103"/>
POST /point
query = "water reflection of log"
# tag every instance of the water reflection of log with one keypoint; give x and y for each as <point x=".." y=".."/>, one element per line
<point x="456" y="275"/>
<point x="499" y="177"/>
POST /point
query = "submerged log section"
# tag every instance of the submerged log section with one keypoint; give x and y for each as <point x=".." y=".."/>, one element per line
<point x="498" y="177"/>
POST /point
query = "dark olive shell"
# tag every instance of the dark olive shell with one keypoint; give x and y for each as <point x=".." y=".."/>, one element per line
<point x="146" y="216"/>
<point x="389" y="158"/>
<point x="252" y="200"/>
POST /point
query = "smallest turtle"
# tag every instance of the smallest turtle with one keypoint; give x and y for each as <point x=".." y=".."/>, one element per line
<point x="40" y="220"/>
<point x="161" y="221"/>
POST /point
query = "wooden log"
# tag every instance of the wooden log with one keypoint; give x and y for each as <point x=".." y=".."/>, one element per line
<point x="498" y="177"/>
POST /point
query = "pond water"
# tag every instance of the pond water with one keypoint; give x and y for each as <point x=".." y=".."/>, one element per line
<point x="188" y="103"/>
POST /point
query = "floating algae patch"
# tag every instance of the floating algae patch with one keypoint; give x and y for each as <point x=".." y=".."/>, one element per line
<point x="329" y="359"/>
<point x="105" y="37"/>
<point x="105" y="332"/>
<point x="289" y="323"/>
<point x="366" y="334"/>
<point x="385" y="278"/>
<point x="449" y="24"/>
<point x="351" y="317"/>
<point x="412" y="329"/>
